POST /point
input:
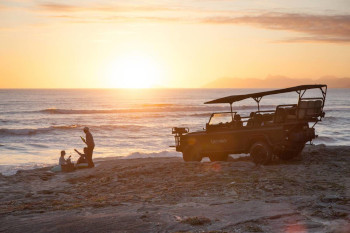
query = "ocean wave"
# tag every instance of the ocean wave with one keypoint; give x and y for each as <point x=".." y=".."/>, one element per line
<point x="207" y="114"/>
<point x="135" y="155"/>
<point x="338" y="119"/>
<point x="6" y="132"/>
<point x="156" y="105"/>
<point x="38" y="145"/>
<point x="8" y="121"/>
<point x="34" y="131"/>
<point x="77" y="111"/>
<point x="131" y="110"/>
<point x="326" y="139"/>
<point x="114" y="127"/>
<point x="8" y="170"/>
<point x="155" y="108"/>
<point x="336" y="110"/>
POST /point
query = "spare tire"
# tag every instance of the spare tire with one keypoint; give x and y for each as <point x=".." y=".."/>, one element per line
<point x="261" y="153"/>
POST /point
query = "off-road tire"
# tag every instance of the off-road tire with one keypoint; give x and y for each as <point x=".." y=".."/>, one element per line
<point x="192" y="153"/>
<point x="291" y="153"/>
<point x="261" y="153"/>
<point x="218" y="157"/>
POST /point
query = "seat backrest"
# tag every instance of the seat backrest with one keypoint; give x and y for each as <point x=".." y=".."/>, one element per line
<point x="280" y="115"/>
<point x="302" y="107"/>
<point x="312" y="108"/>
<point x="257" y="120"/>
<point x="318" y="106"/>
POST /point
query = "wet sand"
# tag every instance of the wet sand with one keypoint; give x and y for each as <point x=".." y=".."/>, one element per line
<point x="308" y="194"/>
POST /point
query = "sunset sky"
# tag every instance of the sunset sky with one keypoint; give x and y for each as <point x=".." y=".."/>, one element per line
<point x="160" y="43"/>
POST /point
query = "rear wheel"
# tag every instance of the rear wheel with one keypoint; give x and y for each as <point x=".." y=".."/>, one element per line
<point x="218" y="157"/>
<point x="192" y="153"/>
<point x="261" y="153"/>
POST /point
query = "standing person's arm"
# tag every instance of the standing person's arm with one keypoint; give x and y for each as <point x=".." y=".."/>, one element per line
<point x="83" y="139"/>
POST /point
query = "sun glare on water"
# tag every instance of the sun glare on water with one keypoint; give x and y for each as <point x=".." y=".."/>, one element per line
<point x="134" y="71"/>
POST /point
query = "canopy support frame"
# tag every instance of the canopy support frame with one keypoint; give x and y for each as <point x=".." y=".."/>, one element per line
<point x="257" y="100"/>
<point x="231" y="111"/>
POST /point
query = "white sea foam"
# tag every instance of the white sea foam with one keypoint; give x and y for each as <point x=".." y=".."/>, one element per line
<point x="136" y="155"/>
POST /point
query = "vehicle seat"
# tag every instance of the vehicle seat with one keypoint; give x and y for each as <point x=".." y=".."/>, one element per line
<point x="307" y="109"/>
<point x="280" y="115"/>
<point x="250" y="122"/>
<point x="258" y="120"/>
<point x="267" y="118"/>
<point x="314" y="108"/>
<point x="302" y="107"/>
<point x="292" y="113"/>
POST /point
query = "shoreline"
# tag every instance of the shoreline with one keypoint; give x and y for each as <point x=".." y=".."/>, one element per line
<point x="310" y="193"/>
<point x="135" y="155"/>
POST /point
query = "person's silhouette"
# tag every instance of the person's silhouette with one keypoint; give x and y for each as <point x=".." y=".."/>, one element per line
<point x="89" y="141"/>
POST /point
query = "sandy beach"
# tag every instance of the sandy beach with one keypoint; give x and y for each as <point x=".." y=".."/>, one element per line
<point x="308" y="194"/>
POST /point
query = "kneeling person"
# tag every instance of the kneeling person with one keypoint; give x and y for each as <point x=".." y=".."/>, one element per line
<point x="82" y="162"/>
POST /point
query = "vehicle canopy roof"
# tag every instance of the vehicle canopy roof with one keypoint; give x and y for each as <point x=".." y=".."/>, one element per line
<point x="234" y="98"/>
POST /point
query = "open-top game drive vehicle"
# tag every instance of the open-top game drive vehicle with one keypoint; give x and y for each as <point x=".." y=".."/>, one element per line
<point x="283" y="131"/>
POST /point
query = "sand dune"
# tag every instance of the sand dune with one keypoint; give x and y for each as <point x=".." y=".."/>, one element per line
<point x="311" y="194"/>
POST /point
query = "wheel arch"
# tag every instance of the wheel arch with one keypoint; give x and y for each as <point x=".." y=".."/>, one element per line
<point x="256" y="138"/>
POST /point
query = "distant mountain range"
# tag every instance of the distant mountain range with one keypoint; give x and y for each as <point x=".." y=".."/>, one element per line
<point x="276" y="82"/>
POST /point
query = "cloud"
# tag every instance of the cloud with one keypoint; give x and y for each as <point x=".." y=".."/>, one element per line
<point x="3" y="7"/>
<point x="319" y="39"/>
<point x="321" y="28"/>
<point x="115" y="19"/>
<point x="316" y="28"/>
<point x="58" y="7"/>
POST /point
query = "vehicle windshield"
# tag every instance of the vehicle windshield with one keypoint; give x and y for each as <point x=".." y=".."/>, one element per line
<point x="222" y="117"/>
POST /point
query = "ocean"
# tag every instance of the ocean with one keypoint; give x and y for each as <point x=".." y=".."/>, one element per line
<point x="36" y="124"/>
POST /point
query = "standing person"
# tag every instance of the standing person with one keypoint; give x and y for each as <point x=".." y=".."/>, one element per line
<point x="89" y="141"/>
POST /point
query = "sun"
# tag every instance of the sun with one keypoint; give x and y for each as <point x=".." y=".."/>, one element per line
<point x="133" y="71"/>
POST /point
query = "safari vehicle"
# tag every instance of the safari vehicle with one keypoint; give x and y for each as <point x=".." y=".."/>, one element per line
<point x="281" y="132"/>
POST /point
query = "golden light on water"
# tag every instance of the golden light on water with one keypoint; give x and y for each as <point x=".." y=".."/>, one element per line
<point x="134" y="71"/>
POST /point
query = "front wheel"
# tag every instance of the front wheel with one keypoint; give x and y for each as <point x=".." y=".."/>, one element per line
<point x="192" y="153"/>
<point x="218" y="157"/>
<point x="261" y="153"/>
